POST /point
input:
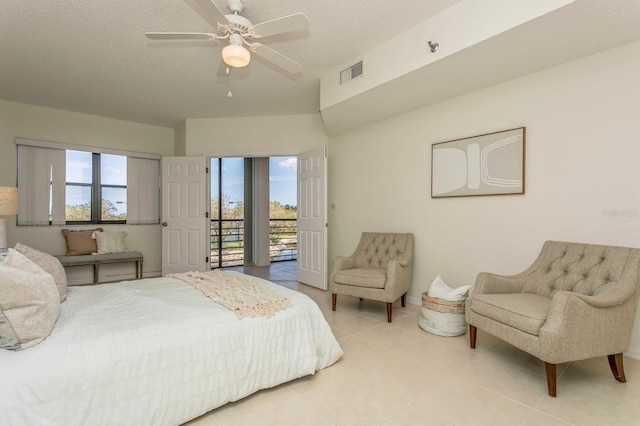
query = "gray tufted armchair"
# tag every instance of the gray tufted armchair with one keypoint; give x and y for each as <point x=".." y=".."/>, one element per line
<point x="379" y="269"/>
<point x="576" y="301"/>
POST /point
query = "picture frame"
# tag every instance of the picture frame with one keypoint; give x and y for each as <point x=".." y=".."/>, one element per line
<point x="487" y="164"/>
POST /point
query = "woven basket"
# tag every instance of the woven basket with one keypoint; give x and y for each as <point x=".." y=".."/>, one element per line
<point x="442" y="317"/>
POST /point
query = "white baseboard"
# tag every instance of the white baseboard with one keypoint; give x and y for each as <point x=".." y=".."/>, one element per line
<point x="633" y="353"/>
<point x="415" y="300"/>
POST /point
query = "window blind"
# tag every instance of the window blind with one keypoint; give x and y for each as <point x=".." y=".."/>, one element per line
<point x="143" y="188"/>
<point x="42" y="183"/>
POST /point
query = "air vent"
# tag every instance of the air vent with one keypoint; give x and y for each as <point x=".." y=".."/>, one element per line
<point x="352" y="72"/>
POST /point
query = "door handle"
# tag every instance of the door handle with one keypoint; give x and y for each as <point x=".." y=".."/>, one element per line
<point x="165" y="224"/>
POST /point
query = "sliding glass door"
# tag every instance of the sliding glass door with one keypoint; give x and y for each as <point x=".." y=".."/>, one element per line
<point x="227" y="212"/>
<point x="283" y="210"/>
<point x="233" y="213"/>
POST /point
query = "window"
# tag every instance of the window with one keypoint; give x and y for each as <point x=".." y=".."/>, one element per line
<point x="113" y="187"/>
<point x="228" y="211"/>
<point x="64" y="184"/>
<point x="283" y="210"/>
<point x="95" y="197"/>
<point x="78" y="194"/>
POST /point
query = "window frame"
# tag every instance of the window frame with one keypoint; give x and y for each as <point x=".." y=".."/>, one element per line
<point x="56" y="216"/>
<point x="96" y="186"/>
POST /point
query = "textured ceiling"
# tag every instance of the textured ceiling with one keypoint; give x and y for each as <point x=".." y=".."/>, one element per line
<point x="91" y="56"/>
<point x="579" y="29"/>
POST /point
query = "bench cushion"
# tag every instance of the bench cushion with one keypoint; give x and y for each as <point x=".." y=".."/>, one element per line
<point x="87" y="259"/>
<point x="98" y="259"/>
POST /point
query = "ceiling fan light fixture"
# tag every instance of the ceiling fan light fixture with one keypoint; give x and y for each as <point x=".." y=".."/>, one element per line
<point x="236" y="56"/>
<point x="239" y="31"/>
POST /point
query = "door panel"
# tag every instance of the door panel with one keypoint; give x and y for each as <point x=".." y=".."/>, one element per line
<point x="312" y="230"/>
<point x="185" y="234"/>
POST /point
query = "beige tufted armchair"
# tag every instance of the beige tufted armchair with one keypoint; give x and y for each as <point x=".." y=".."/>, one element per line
<point x="576" y="301"/>
<point x="379" y="269"/>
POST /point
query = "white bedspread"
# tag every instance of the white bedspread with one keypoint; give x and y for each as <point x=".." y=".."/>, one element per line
<point x="156" y="352"/>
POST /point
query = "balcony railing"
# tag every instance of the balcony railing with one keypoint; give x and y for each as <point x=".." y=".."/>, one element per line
<point x="283" y="234"/>
<point x="227" y="241"/>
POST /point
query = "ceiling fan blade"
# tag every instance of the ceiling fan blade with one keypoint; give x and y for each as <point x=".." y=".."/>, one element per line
<point x="210" y="8"/>
<point x="181" y="36"/>
<point x="276" y="58"/>
<point x="297" y="21"/>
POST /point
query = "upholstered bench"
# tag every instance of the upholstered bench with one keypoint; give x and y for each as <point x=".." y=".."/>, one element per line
<point x="98" y="259"/>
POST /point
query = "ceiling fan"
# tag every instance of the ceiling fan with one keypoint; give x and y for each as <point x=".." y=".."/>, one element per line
<point x="240" y="32"/>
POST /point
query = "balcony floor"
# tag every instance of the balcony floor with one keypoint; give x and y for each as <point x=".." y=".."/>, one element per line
<point x="284" y="273"/>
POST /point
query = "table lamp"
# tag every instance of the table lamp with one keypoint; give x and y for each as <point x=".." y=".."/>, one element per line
<point x="8" y="206"/>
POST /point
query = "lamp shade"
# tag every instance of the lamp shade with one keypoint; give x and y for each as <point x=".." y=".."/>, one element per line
<point x="236" y="56"/>
<point x="8" y="200"/>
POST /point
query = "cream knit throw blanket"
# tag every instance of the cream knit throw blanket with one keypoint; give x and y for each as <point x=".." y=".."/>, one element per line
<point x="239" y="293"/>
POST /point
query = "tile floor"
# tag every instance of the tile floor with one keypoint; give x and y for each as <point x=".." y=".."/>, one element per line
<point x="397" y="374"/>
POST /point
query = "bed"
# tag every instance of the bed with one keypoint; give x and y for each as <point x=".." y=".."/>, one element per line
<point x="157" y="352"/>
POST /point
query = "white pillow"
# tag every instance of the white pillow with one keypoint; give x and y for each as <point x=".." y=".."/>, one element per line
<point x="49" y="264"/>
<point x="29" y="302"/>
<point x="440" y="290"/>
<point x="110" y="242"/>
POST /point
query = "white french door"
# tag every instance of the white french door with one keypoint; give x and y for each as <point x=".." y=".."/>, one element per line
<point x="312" y="223"/>
<point x="185" y="231"/>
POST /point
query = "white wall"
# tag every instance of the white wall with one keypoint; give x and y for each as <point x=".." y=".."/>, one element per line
<point x="279" y="135"/>
<point x="181" y="139"/>
<point x="254" y="136"/>
<point x="27" y="121"/>
<point x="460" y="26"/>
<point x="582" y="174"/>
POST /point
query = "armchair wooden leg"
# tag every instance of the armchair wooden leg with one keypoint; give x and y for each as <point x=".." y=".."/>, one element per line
<point x="551" y="378"/>
<point x="617" y="368"/>
<point x="403" y="300"/>
<point x="389" y="306"/>
<point x="334" y="299"/>
<point x="472" y="336"/>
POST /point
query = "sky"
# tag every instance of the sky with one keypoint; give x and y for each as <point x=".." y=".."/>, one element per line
<point x="113" y="172"/>
<point x="282" y="179"/>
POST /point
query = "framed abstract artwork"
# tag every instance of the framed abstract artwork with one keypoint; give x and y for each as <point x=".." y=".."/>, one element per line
<point x="489" y="164"/>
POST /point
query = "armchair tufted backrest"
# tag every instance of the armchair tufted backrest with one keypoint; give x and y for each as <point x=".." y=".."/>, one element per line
<point x="375" y="249"/>
<point x="587" y="269"/>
